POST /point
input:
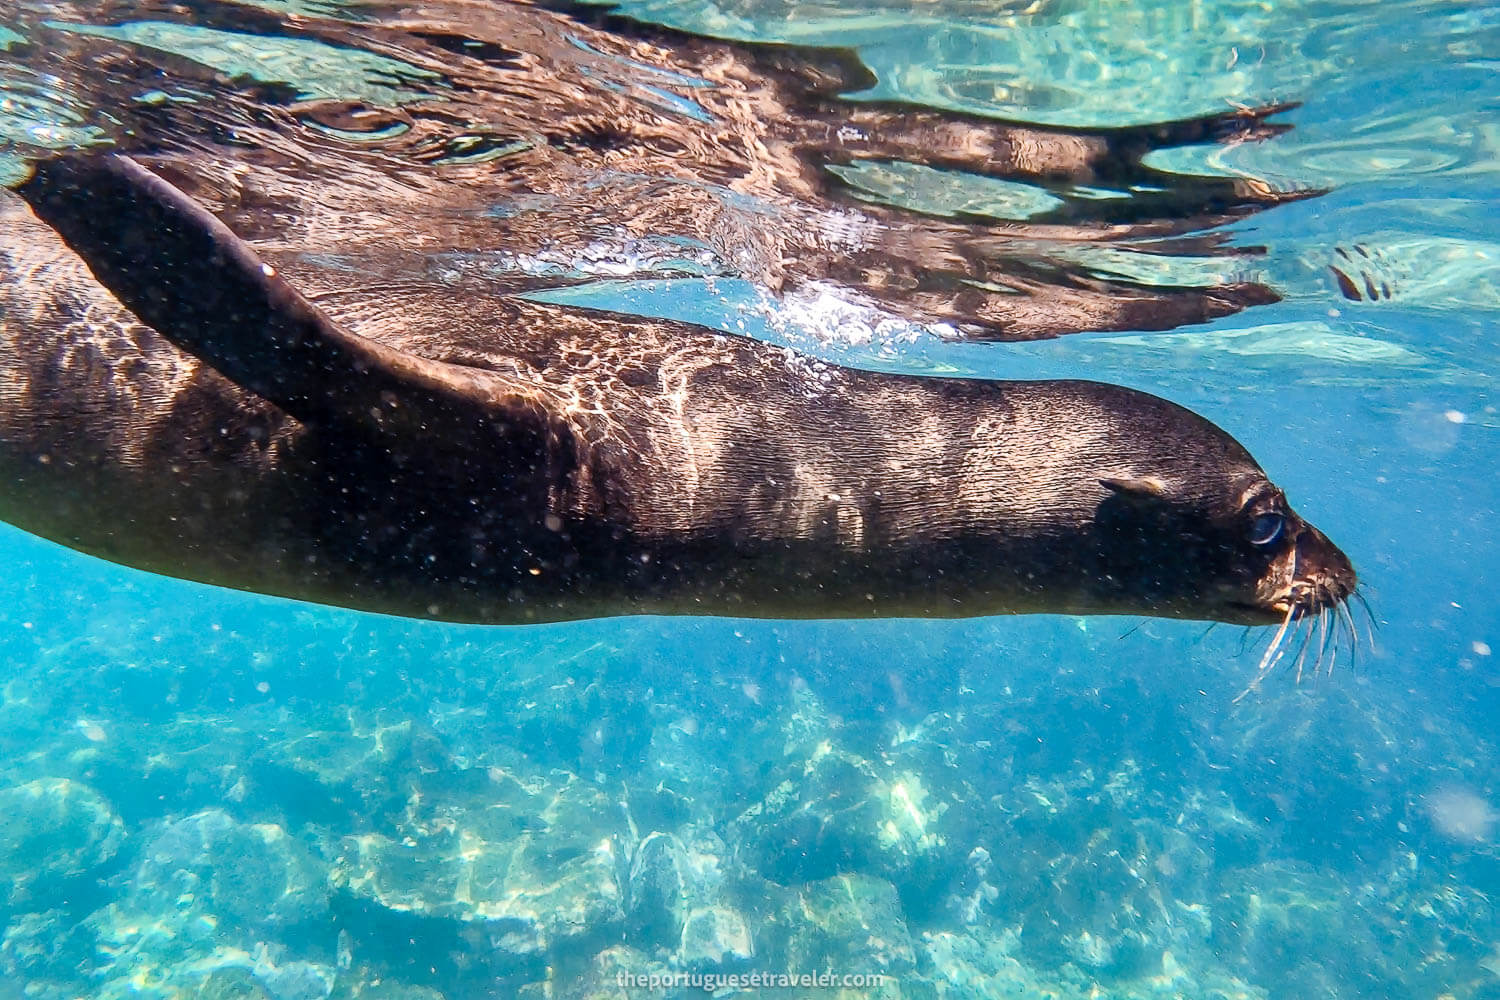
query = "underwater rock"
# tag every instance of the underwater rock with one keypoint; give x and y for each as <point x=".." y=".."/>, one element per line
<point x="806" y="724"/>
<point x="374" y="987"/>
<point x="683" y="777"/>
<point x="346" y="770"/>
<point x="183" y="764"/>
<point x="844" y="813"/>
<point x="715" y="937"/>
<point x="253" y="877"/>
<point x="612" y="974"/>
<point x="850" y="924"/>
<point x="675" y="900"/>
<point x="490" y="888"/>
<point x="712" y="750"/>
<point x="572" y="706"/>
<point x="1171" y="977"/>
<point x="1221" y="835"/>
<point x="192" y="763"/>
<point x="226" y="972"/>
<point x="524" y="902"/>
<point x="985" y="962"/>
<point x="1288" y="927"/>
<point x="971" y="891"/>
<point x="233" y="983"/>
<point x="298" y="981"/>
<point x="207" y="903"/>
<point x="658" y="889"/>
<point x="45" y="951"/>
<point x="1101" y="869"/>
<point x="176" y="767"/>
<point x="52" y="830"/>
<point x="979" y="964"/>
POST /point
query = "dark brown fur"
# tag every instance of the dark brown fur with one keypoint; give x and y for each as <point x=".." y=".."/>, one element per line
<point x="490" y="459"/>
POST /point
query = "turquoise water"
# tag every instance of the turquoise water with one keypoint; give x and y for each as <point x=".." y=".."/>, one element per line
<point x="206" y="793"/>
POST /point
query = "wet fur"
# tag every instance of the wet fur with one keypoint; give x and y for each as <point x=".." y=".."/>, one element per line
<point x="492" y="459"/>
<point x="560" y="463"/>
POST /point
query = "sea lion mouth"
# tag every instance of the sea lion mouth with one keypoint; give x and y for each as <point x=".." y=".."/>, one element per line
<point x="1311" y="597"/>
<point x="1305" y="598"/>
<point x="1314" y="620"/>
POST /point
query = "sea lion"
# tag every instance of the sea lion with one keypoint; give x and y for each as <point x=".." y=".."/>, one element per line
<point x="170" y="401"/>
<point x="557" y="133"/>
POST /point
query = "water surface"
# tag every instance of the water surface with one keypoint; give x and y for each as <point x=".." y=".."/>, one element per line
<point x="216" y="794"/>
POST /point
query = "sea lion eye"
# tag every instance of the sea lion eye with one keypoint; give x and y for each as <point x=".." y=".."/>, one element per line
<point x="1266" y="528"/>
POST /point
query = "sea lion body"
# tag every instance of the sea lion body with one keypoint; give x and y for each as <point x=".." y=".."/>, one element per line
<point x="497" y="460"/>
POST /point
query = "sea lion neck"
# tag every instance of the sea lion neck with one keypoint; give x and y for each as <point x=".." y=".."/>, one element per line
<point x="862" y="461"/>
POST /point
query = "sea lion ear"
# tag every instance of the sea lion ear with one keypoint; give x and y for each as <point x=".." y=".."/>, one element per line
<point x="1136" y="489"/>
<point x="186" y="275"/>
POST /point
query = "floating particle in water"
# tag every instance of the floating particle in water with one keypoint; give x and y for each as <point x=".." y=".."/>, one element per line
<point x="1480" y="648"/>
<point x="92" y="731"/>
<point x="1428" y="430"/>
<point x="1462" y="814"/>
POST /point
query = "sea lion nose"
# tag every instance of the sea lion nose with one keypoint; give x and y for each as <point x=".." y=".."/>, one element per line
<point x="1323" y="564"/>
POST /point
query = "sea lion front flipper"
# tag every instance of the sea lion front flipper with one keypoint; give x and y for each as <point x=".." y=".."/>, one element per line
<point x="185" y="274"/>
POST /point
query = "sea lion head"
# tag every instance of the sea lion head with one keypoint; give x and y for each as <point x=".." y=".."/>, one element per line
<point x="1190" y="526"/>
<point x="1243" y="556"/>
<point x="1304" y="573"/>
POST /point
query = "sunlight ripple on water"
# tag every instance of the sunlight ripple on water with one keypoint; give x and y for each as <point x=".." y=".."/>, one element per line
<point x="209" y="793"/>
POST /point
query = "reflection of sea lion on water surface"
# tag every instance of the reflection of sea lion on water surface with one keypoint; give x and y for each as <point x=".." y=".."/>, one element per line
<point x="504" y="125"/>
<point x="497" y="460"/>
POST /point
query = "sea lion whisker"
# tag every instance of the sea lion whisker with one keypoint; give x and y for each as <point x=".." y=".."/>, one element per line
<point x="1272" y="654"/>
<point x="1315" y="624"/>
<point x="1327" y="634"/>
<point x="1262" y="637"/>
<point x="1332" y="652"/>
<point x="1305" y="644"/>
<point x="1288" y="629"/>
<point x="1348" y="619"/>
